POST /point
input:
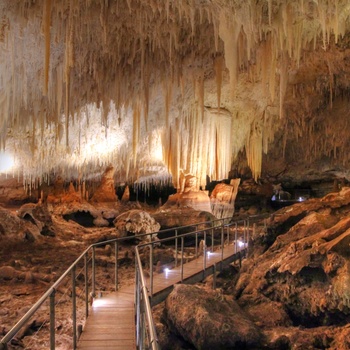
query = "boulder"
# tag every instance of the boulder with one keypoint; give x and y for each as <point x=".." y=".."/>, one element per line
<point x="212" y="322"/>
<point x="136" y="222"/>
<point x="38" y="215"/>
<point x="169" y="218"/>
<point x="15" y="228"/>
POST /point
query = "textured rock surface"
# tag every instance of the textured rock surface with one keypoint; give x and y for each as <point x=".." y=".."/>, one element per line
<point x="211" y="322"/>
<point x="294" y="287"/>
<point x="106" y="191"/>
<point x="136" y="222"/>
<point x="172" y="217"/>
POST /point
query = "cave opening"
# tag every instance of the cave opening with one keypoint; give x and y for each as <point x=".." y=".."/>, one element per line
<point x="83" y="218"/>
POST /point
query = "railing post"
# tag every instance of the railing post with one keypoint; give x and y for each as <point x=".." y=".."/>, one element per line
<point x="182" y="258"/>
<point x="196" y="249"/>
<point x="236" y="228"/>
<point x="204" y="254"/>
<point x="151" y="268"/>
<point x="247" y="245"/>
<point x="93" y="273"/>
<point x="116" y="265"/>
<point x="52" y="320"/>
<point x="222" y="244"/>
<point x="214" y="276"/>
<point x="244" y="231"/>
<point x="175" y="248"/>
<point x="86" y="279"/>
<point x="74" y="310"/>
<point x="228" y="234"/>
<point x="212" y="240"/>
<point x="137" y="305"/>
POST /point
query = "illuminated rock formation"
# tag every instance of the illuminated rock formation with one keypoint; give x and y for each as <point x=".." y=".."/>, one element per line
<point x="189" y="196"/>
<point x="223" y="199"/>
<point x="106" y="191"/>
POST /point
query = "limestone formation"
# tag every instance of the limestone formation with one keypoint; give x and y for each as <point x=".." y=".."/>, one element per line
<point x="189" y="196"/>
<point x="136" y="222"/>
<point x="106" y="191"/>
<point x="173" y="217"/>
<point x="223" y="199"/>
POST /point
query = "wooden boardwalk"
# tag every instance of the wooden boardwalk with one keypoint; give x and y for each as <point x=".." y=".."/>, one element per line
<point x="111" y="324"/>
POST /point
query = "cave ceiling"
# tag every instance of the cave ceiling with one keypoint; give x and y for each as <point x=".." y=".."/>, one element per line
<point x="160" y="87"/>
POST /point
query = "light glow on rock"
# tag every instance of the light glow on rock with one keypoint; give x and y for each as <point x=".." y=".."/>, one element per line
<point x="6" y="162"/>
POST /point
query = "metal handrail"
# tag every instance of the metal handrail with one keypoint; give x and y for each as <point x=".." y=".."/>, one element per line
<point x="143" y="304"/>
<point x="50" y="293"/>
<point x="205" y="232"/>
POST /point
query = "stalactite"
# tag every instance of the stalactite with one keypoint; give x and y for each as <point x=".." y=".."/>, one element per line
<point x="229" y="30"/>
<point x="92" y="59"/>
<point x="47" y="25"/>
<point x="136" y="131"/>
<point x="283" y="82"/>
<point x="218" y="65"/>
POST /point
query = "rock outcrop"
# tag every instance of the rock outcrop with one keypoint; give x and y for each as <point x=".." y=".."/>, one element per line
<point x="136" y="222"/>
<point x="293" y="289"/>
<point x="212" y="322"/>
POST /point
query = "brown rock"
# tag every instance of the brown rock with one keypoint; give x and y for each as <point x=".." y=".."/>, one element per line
<point x="136" y="222"/>
<point x="168" y="218"/>
<point x="306" y="269"/>
<point x="106" y="191"/>
<point x="212" y="321"/>
<point x="8" y="273"/>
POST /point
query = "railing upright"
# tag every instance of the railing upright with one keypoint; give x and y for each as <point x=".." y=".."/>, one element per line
<point x="182" y="258"/>
<point x="52" y="320"/>
<point x="86" y="281"/>
<point x="151" y="268"/>
<point x="222" y="243"/>
<point x="137" y="302"/>
<point x="247" y="243"/>
<point x="214" y="276"/>
<point x="176" y="248"/>
<point x="93" y="272"/>
<point x="236" y="243"/>
<point x="204" y="253"/>
<point x="74" y="309"/>
<point x="228" y="234"/>
<point x="116" y="251"/>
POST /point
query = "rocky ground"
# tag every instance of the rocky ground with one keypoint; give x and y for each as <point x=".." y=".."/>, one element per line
<point x="40" y="241"/>
<point x="292" y="292"/>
